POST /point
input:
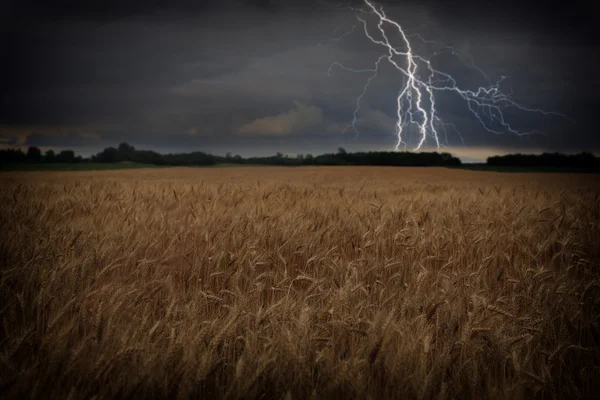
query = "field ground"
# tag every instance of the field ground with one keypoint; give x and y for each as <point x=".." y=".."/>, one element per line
<point x="324" y="282"/>
<point x="74" y="167"/>
<point x="85" y="166"/>
<point x="531" y="169"/>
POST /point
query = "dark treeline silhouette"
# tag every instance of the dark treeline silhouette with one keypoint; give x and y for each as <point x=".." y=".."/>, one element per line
<point x="127" y="153"/>
<point x="34" y="155"/>
<point x="124" y="153"/>
<point x="382" y="158"/>
<point x="581" y="160"/>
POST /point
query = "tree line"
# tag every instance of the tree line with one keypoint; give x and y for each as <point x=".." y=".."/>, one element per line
<point x="581" y="160"/>
<point x="342" y="157"/>
<point x="34" y="155"/>
<point x="127" y="153"/>
<point x="123" y="153"/>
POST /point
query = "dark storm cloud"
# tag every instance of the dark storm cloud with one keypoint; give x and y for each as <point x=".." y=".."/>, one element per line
<point x="118" y="9"/>
<point x="572" y="20"/>
<point x="560" y="21"/>
<point x="195" y="73"/>
<point x="68" y="139"/>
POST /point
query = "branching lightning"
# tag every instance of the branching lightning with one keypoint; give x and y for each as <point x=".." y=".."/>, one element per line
<point x="416" y="99"/>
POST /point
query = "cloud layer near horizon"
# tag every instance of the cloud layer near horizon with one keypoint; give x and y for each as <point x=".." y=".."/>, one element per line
<point x="296" y="120"/>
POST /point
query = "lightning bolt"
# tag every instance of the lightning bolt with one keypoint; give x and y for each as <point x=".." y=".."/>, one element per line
<point x="416" y="99"/>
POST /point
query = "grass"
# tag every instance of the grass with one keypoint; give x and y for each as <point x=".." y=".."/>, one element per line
<point x="101" y="166"/>
<point x="75" y="166"/>
<point x="325" y="282"/>
<point x="120" y="166"/>
<point x="516" y="168"/>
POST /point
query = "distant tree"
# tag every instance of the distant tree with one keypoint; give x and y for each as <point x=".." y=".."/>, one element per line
<point x="65" y="156"/>
<point x="34" y="154"/>
<point x="448" y="159"/>
<point x="49" y="156"/>
<point x="228" y="155"/>
<point x="9" y="156"/>
<point x="125" y="152"/>
<point x="148" y="157"/>
<point x="585" y="159"/>
<point x="341" y="151"/>
<point x="108" y="155"/>
<point x="238" y="159"/>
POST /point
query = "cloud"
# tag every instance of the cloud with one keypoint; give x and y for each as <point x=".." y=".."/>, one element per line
<point x="379" y="120"/>
<point x="61" y="135"/>
<point x="298" y="119"/>
<point x="199" y="131"/>
<point x="218" y="79"/>
<point x="282" y="75"/>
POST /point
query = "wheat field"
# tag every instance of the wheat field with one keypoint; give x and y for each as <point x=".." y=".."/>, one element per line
<point x="313" y="282"/>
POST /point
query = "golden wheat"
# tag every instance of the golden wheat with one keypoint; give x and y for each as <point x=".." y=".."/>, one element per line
<point x="299" y="283"/>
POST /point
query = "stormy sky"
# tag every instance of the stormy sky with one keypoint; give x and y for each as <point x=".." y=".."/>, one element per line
<point x="251" y="76"/>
